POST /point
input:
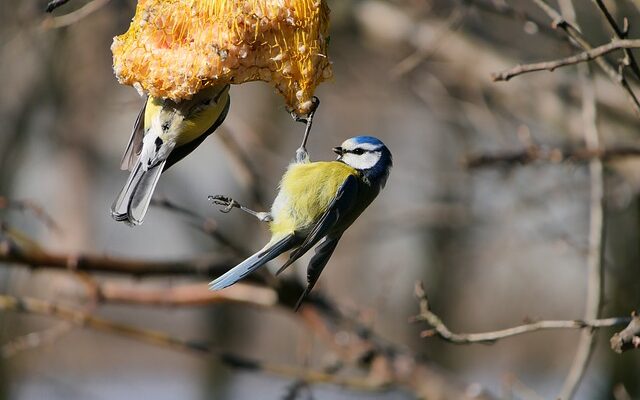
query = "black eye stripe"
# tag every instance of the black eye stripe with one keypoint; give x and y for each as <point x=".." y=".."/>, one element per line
<point x="360" y="151"/>
<point x="355" y="151"/>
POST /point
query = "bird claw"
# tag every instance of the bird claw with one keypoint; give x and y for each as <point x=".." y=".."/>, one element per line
<point x="227" y="202"/>
<point x="315" y="102"/>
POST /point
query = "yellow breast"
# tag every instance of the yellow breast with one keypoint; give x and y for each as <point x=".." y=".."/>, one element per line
<point x="306" y="190"/>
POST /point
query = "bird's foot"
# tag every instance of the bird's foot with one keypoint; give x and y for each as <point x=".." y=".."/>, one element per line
<point x="227" y="202"/>
<point x="301" y="154"/>
<point x="315" y="102"/>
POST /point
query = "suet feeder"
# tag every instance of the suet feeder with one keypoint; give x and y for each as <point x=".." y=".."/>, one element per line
<point x="174" y="48"/>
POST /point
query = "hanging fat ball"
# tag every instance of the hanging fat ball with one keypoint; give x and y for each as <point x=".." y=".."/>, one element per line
<point x="175" y="48"/>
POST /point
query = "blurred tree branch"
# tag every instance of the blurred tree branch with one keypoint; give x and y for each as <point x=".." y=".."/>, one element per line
<point x="206" y="225"/>
<point x="508" y="11"/>
<point x="196" y="294"/>
<point x="535" y="153"/>
<point x="30" y="206"/>
<point x="401" y="367"/>
<point x="85" y="320"/>
<point x="387" y="365"/>
<point x="211" y="265"/>
<point x="597" y="221"/>
<point x="34" y="339"/>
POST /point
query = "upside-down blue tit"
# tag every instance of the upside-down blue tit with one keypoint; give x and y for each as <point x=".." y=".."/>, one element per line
<point x="164" y="133"/>
<point x="316" y="201"/>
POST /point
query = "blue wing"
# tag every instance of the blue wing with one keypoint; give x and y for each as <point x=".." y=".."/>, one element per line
<point x="135" y="141"/>
<point x="252" y="263"/>
<point x="344" y="201"/>
<point x="317" y="264"/>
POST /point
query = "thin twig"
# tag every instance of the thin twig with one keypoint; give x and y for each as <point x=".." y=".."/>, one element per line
<point x="536" y="153"/>
<point x="629" y="59"/>
<point x="441" y="330"/>
<point x="85" y="320"/>
<point x="587" y="55"/>
<point x="558" y="21"/>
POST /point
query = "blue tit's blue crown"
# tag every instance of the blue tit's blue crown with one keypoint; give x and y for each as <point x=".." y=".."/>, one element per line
<point x="367" y="139"/>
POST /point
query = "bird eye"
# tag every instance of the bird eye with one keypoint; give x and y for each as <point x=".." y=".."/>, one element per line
<point x="358" y="151"/>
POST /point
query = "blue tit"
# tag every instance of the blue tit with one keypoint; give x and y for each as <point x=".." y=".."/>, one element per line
<point x="316" y="201"/>
<point x="164" y="133"/>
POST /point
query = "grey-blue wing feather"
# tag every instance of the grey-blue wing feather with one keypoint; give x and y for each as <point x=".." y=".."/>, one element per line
<point x="317" y="264"/>
<point x="252" y="263"/>
<point x="135" y="141"/>
<point x="344" y="201"/>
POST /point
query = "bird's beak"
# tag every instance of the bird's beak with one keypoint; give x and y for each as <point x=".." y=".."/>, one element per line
<point x="338" y="150"/>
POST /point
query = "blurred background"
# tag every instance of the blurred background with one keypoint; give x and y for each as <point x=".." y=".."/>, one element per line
<point x="494" y="245"/>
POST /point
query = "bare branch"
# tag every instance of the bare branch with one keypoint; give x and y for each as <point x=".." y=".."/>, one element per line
<point x="441" y="330"/>
<point x="629" y="337"/>
<point x="587" y="55"/>
<point x="574" y="33"/>
<point x="595" y="255"/>
<point x="629" y="59"/>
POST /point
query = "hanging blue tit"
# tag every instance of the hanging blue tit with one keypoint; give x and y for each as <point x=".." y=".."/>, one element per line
<point x="164" y="133"/>
<point x="317" y="201"/>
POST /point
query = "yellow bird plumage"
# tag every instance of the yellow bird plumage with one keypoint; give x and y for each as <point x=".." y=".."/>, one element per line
<point x="310" y="200"/>
<point x="164" y="133"/>
<point x="316" y="201"/>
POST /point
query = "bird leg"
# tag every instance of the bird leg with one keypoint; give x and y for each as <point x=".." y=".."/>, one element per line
<point x="228" y="203"/>
<point x="301" y="153"/>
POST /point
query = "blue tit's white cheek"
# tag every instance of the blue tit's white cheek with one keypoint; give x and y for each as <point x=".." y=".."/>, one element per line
<point x="362" y="161"/>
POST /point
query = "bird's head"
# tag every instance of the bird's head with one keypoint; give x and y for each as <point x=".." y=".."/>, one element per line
<point x="368" y="155"/>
